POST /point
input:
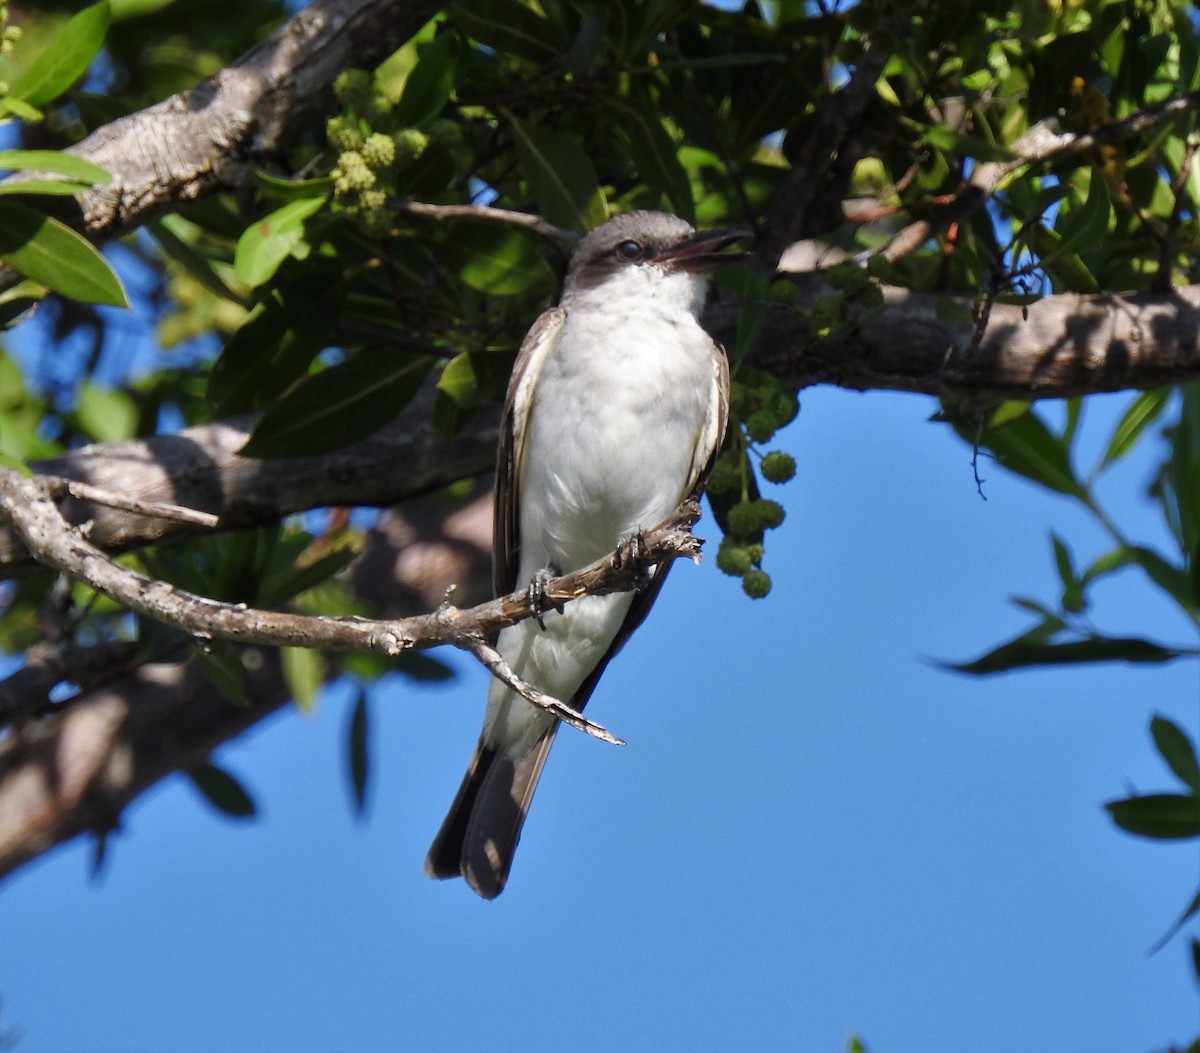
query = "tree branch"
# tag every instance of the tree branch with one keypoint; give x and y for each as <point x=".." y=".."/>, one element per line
<point x="32" y="511"/>
<point x="487" y="213"/>
<point x="1056" y="347"/>
<point x="57" y="781"/>
<point x="200" y="468"/>
<point x="200" y="141"/>
<point x="74" y="771"/>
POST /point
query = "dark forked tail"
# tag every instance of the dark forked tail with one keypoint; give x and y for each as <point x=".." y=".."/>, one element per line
<point x="481" y="831"/>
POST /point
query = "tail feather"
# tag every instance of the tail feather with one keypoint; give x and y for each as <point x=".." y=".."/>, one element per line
<point x="481" y="831"/>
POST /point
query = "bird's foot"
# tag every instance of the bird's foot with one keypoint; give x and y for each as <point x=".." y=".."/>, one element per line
<point x="631" y="550"/>
<point x="538" y="594"/>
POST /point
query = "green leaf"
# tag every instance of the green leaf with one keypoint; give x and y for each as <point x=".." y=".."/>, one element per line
<point x="1189" y="912"/>
<point x="74" y="168"/>
<point x="1065" y="268"/>
<point x="509" y="28"/>
<point x="1072" y="599"/>
<point x="291" y="189"/>
<point x="456" y="391"/>
<point x="958" y="145"/>
<point x="276" y="344"/>
<point x="44" y="187"/>
<point x="563" y="180"/>
<point x="341" y="405"/>
<point x="428" y="87"/>
<point x="358" y="754"/>
<point x="1171" y="579"/>
<point x="169" y="233"/>
<point x="224" y="671"/>
<point x="1086" y="225"/>
<point x="1161" y="816"/>
<point x="654" y="154"/>
<point x="21" y="110"/>
<point x="458" y="381"/>
<point x="422" y="667"/>
<point x="1022" y="653"/>
<point x="1177" y="750"/>
<point x="1026" y="446"/>
<point x="106" y="414"/>
<point x="222" y="791"/>
<point x="1143" y="412"/>
<point x="278" y="587"/>
<point x="264" y="245"/>
<point x="1109" y="563"/>
<point x="303" y="671"/>
<point x="497" y="260"/>
<point x="52" y="253"/>
<point x="65" y="60"/>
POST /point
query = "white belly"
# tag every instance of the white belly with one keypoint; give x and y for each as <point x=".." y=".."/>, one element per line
<point x="612" y="445"/>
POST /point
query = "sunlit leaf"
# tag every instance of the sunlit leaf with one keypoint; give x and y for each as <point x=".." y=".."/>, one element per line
<point x="304" y="672"/>
<point x="44" y="187"/>
<point x="107" y="415"/>
<point x="52" y="253"/>
<point x="267" y="243"/>
<point x="66" y="59"/>
<point x="496" y="260"/>
<point x="959" y="145"/>
<point x="429" y="85"/>
<point x="1143" y="411"/>
<point x="561" y="175"/>
<point x="654" y="154"/>
<point x="74" y="168"/>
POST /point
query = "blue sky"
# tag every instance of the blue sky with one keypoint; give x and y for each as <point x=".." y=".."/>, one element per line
<point x="812" y="831"/>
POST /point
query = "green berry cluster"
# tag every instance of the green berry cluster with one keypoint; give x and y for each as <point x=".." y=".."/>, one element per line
<point x="371" y="151"/>
<point x="759" y="406"/>
<point x="9" y="35"/>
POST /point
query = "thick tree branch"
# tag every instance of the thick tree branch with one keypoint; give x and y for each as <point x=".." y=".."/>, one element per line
<point x="199" y="468"/>
<point x="199" y="141"/>
<point x="75" y="770"/>
<point x="1056" y="347"/>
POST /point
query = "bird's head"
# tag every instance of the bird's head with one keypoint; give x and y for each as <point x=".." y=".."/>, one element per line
<point x="649" y="254"/>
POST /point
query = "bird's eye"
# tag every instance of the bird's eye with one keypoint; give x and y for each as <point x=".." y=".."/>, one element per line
<point x="629" y="250"/>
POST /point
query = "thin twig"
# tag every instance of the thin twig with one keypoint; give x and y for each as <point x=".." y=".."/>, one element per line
<point x="485" y="212"/>
<point x="97" y="495"/>
<point x="495" y="664"/>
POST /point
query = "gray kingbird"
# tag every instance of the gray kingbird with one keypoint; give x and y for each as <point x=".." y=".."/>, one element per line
<point x="615" y="411"/>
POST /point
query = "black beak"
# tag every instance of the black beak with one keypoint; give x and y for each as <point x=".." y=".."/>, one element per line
<point x="702" y="251"/>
